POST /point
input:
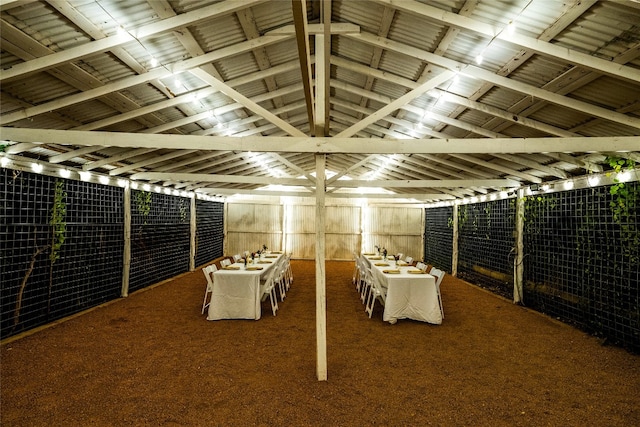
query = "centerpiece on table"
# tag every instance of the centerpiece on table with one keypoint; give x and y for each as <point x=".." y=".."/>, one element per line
<point x="396" y="258"/>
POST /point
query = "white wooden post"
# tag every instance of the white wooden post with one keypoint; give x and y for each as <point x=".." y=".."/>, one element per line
<point x="321" y="305"/>
<point x="126" y="253"/>
<point x="519" y="267"/>
<point x="423" y="225"/>
<point x="454" y="254"/>
<point x="192" y="238"/>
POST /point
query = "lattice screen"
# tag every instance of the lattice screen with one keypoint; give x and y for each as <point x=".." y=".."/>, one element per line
<point x="159" y="237"/>
<point x="209" y="231"/>
<point x="87" y="269"/>
<point x="485" y="244"/>
<point x="438" y="237"/>
<point x="582" y="260"/>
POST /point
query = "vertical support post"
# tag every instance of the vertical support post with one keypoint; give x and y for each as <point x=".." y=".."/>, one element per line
<point x="192" y="236"/>
<point x="126" y="253"/>
<point x="321" y="304"/>
<point x="423" y="220"/>
<point x="285" y="221"/>
<point x="518" y="273"/>
<point x="454" y="254"/>
<point x="224" y="228"/>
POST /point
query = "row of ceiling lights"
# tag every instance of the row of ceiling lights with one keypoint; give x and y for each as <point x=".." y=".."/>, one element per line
<point x="87" y="176"/>
<point x="592" y="180"/>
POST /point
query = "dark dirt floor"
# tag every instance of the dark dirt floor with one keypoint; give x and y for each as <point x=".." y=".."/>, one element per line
<point x="153" y="360"/>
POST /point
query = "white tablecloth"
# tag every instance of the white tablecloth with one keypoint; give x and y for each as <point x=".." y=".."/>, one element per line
<point x="236" y="293"/>
<point x="409" y="296"/>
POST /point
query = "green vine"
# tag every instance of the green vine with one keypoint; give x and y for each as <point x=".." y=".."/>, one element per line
<point x="534" y="208"/>
<point x="463" y="216"/>
<point x="58" y="231"/>
<point x="487" y="212"/>
<point x="184" y="210"/>
<point x="624" y="206"/>
<point x="143" y="203"/>
<point x="57" y="222"/>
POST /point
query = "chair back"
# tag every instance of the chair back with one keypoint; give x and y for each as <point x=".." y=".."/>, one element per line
<point x="225" y="262"/>
<point x="208" y="271"/>
<point x="438" y="274"/>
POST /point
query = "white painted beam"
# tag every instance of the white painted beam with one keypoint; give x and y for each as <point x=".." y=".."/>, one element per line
<point x="479" y="73"/>
<point x="322" y="145"/>
<point x="374" y="195"/>
<point x="238" y="97"/>
<point x="394" y="105"/>
<point x="426" y="183"/>
<point x="102" y="45"/>
<point x="158" y="73"/>
<point x="299" y="9"/>
<point x="539" y="46"/>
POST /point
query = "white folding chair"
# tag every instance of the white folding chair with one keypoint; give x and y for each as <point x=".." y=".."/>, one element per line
<point x="364" y="284"/>
<point x="288" y="272"/>
<point x="268" y="289"/>
<point x="279" y="278"/>
<point x="237" y="258"/>
<point x="225" y="262"/>
<point x="421" y="265"/>
<point x="355" y="277"/>
<point x="376" y="292"/>
<point x="439" y="275"/>
<point x="208" y="273"/>
<point x="409" y="260"/>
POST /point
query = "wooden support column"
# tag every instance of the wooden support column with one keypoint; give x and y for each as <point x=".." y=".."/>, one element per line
<point x="518" y="272"/>
<point x="454" y="254"/>
<point x="423" y="227"/>
<point x="126" y="253"/>
<point x="321" y="298"/>
<point x="192" y="239"/>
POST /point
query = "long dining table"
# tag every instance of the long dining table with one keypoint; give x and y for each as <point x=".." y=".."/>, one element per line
<point x="410" y="292"/>
<point x="236" y="289"/>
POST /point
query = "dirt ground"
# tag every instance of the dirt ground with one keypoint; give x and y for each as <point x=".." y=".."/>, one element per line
<point x="153" y="360"/>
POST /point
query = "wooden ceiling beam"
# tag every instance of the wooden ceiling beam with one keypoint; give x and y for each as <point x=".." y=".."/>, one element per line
<point x="482" y="74"/>
<point x="299" y="9"/>
<point x="533" y="44"/>
<point x="322" y="145"/>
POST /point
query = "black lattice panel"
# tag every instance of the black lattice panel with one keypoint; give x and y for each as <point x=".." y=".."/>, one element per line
<point x="209" y="231"/>
<point x="438" y="237"/>
<point x="159" y="237"/>
<point x="485" y="243"/>
<point x="582" y="260"/>
<point x="88" y="269"/>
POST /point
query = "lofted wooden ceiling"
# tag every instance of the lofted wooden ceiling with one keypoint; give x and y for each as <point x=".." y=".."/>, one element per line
<point x="430" y="100"/>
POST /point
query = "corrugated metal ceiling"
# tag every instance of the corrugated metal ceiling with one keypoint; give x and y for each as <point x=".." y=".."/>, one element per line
<point x="252" y="97"/>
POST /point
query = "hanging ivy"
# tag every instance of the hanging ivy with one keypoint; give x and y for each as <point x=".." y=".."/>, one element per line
<point x="534" y="208"/>
<point x="184" y="210"/>
<point x="463" y="216"/>
<point x="143" y="204"/>
<point x="624" y="206"/>
<point x="57" y="222"/>
<point x="58" y="231"/>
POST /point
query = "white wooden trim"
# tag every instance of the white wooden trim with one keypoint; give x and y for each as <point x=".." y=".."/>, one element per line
<point x="321" y="298"/>
<point x="126" y="253"/>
